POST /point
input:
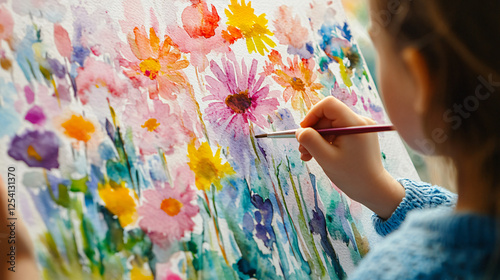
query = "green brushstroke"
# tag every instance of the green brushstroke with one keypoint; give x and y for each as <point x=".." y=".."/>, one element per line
<point x="79" y="185"/>
<point x="307" y="265"/>
<point x="306" y="232"/>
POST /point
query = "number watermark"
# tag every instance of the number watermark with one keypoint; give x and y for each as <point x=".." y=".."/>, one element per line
<point x="11" y="217"/>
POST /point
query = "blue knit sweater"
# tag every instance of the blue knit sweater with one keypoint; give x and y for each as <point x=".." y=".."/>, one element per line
<point x="433" y="242"/>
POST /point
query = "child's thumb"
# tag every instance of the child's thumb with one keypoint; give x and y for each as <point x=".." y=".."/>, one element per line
<point x="315" y="144"/>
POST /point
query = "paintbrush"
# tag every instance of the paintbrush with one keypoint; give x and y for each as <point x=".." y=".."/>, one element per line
<point x="332" y="131"/>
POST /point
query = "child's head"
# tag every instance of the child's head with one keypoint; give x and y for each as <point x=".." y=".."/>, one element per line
<point x="439" y="72"/>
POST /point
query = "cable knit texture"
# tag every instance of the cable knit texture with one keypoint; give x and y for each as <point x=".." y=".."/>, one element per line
<point x="434" y="242"/>
<point x="419" y="195"/>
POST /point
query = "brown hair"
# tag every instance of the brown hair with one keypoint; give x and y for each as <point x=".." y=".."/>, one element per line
<point x="460" y="41"/>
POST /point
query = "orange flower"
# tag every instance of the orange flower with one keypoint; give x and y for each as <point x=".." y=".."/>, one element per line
<point x="157" y="65"/>
<point x="78" y="128"/>
<point x="297" y="79"/>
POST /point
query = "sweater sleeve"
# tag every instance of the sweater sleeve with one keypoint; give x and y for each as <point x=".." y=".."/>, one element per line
<point x="419" y="195"/>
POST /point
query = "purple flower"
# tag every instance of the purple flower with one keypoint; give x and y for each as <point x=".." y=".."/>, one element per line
<point x="36" y="149"/>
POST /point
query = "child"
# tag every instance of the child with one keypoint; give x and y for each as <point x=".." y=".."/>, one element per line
<point x="439" y="71"/>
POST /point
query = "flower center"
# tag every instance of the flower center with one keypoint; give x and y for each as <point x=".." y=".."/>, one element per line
<point x="239" y="102"/>
<point x="151" y="125"/>
<point x="33" y="153"/>
<point x="208" y="171"/>
<point x="297" y="84"/>
<point x="150" y="67"/>
<point x="171" y="206"/>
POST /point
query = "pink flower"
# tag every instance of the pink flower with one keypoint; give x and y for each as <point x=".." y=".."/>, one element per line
<point x="238" y="97"/>
<point x="289" y="30"/>
<point x="95" y="76"/>
<point x="166" y="213"/>
<point x="6" y="24"/>
<point x="153" y="126"/>
<point x="342" y="94"/>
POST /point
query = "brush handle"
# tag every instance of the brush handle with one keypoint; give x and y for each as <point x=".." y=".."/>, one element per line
<point x="336" y="131"/>
<point x="356" y="130"/>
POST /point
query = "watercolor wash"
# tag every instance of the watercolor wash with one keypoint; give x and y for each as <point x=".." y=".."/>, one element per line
<point x="131" y="125"/>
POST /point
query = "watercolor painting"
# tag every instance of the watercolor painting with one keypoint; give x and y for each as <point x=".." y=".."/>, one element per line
<point x="131" y="126"/>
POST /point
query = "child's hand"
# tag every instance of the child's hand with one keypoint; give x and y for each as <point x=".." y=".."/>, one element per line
<point x="352" y="162"/>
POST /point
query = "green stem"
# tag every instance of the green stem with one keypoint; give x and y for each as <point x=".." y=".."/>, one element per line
<point x="304" y="227"/>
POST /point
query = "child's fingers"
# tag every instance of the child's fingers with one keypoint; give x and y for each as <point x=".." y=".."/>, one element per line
<point x="304" y="154"/>
<point x="307" y="157"/>
<point x="317" y="146"/>
<point x="303" y="150"/>
<point x="332" y="109"/>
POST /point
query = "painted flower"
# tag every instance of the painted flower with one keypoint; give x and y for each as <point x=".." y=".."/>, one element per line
<point x="35" y="115"/>
<point x="244" y="23"/>
<point x="376" y="112"/>
<point x="155" y="65"/>
<point x="208" y="169"/>
<point x="6" y="24"/>
<point x="62" y="41"/>
<point x="166" y="213"/>
<point x="335" y="42"/>
<point x="97" y="81"/>
<point x="350" y="98"/>
<point x="199" y="21"/>
<point x="152" y="125"/>
<point x="36" y="149"/>
<point x="238" y="97"/>
<point x="289" y="30"/>
<point x="200" y="33"/>
<point x="120" y="201"/>
<point x="140" y="273"/>
<point x="298" y="79"/>
<point x="79" y="128"/>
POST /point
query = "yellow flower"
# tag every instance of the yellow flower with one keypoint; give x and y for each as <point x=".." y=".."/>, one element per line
<point x="119" y="201"/>
<point x="252" y="27"/>
<point x="138" y="273"/>
<point x="208" y="169"/>
<point x="79" y="128"/>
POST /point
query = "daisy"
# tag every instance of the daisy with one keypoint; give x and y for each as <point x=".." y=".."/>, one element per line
<point x="152" y="124"/>
<point x="167" y="213"/>
<point x="238" y="97"/>
<point x="155" y="65"/>
<point x="297" y="79"/>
